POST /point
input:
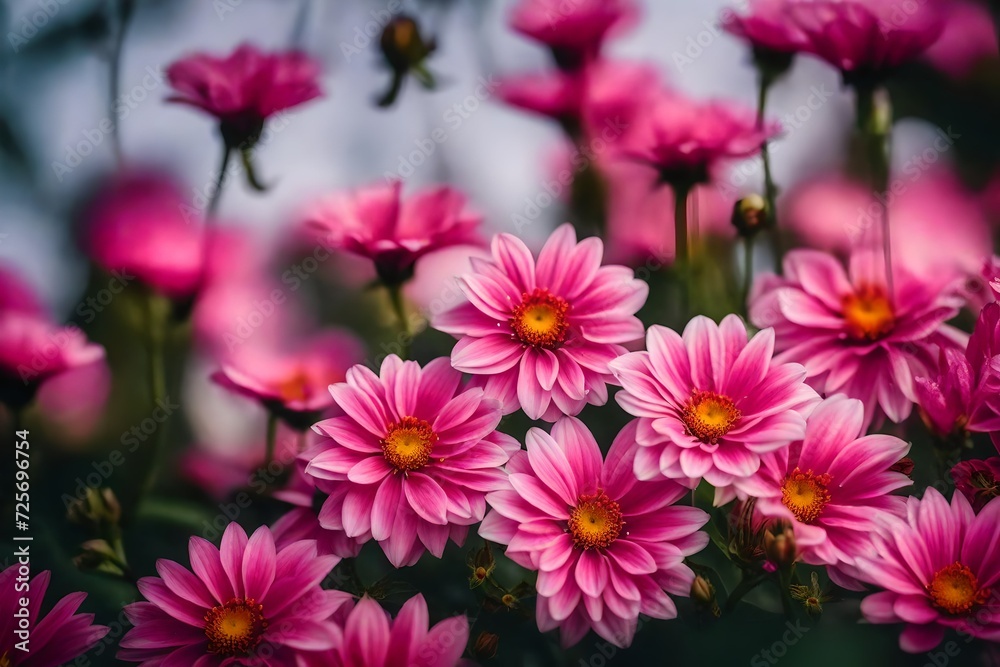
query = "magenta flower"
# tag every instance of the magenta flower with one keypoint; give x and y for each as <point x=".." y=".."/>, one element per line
<point x="766" y="26"/>
<point x="939" y="566"/>
<point x="834" y="485"/>
<point x="245" y="88"/>
<point x="302" y="521"/>
<point x="866" y="37"/>
<point x="711" y="403"/>
<point x="978" y="481"/>
<point x="377" y="223"/>
<point x="849" y="334"/>
<point x="606" y="546"/>
<point x="412" y="458"/>
<point x="575" y="30"/>
<point x="541" y="333"/>
<point x="959" y="398"/>
<point x="293" y="384"/>
<point x="53" y="639"/>
<point x="246" y="603"/>
<point x="371" y="638"/>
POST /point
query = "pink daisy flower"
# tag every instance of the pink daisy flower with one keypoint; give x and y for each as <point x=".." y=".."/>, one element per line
<point x="371" y="638"/>
<point x="766" y="26"/>
<point x="302" y="521"/>
<point x="833" y="486"/>
<point x="849" y="334"/>
<point x="940" y="567"/>
<point x="541" y="333"/>
<point x="978" y="481"/>
<point x="53" y="638"/>
<point x="246" y="603"/>
<point x="606" y="546"/>
<point x="711" y="403"/>
<point x="574" y="31"/>
<point x="377" y="223"/>
<point x="957" y="398"/>
<point x="411" y="459"/>
<point x="245" y="88"/>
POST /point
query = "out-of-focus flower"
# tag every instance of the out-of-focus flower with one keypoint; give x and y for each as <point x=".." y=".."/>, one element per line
<point x="244" y="88"/>
<point x="606" y="546"/>
<point x="978" y="480"/>
<point x="750" y="215"/>
<point x="540" y="333"/>
<point x="371" y="638"/>
<point x="766" y="26"/>
<point x="405" y="51"/>
<point x="938" y="566"/>
<point x="711" y="403"/>
<point x="968" y="38"/>
<point x="575" y="31"/>
<point x="377" y="223"/>
<point x="293" y="384"/>
<point x="55" y="638"/>
<point x="847" y="331"/>
<point x="17" y="295"/>
<point x="245" y="598"/>
<point x="414" y="455"/>
<point x="834" y="485"/>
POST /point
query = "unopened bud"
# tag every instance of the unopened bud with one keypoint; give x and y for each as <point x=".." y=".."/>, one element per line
<point x="903" y="465"/>
<point x="702" y="590"/>
<point x="96" y="509"/>
<point x="97" y="555"/>
<point x="482" y="564"/>
<point x="779" y="544"/>
<point x="750" y="215"/>
<point x="402" y="45"/>
<point x="509" y="601"/>
<point x="486" y="645"/>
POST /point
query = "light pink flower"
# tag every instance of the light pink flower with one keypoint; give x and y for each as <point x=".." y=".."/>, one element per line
<point x="606" y="546"/>
<point x="56" y="637"/>
<point x="940" y="567"/>
<point x="978" y="481"/>
<point x="540" y="333"/>
<point x="411" y="459"/>
<point x="371" y="638"/>
<point x="243" y="602"/>
<point x="575" y="30"/>
<point x="377" y="223"/>
<point x="766" y="26"/>
<point x="851" y="336"/>
<point x="834" y="485"/>
<point x="711" y="403"/>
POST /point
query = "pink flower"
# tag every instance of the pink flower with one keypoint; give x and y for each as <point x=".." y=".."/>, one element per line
<point x="968" y="39"/>
<point x="244" y="88"/>
<point x="606" y="546"/>
<point x="939" y="566"/>
<point x="17" y="295"/>
<point x="375" y="222"/>
<point x="293" y="384"/>
<point x="959" y="398"/>
<point x="766" y="26"/>
<point x="372" y="639"/>
<point x="244" y="599"/>
<point x="574" y="31"/>
<point x="711" y="403"/>
<point x="978" y="481"/>
<point x="866" y="37"/>
<point x="411" y="459"/>
<point x="542" y="332"/>
<point x="834" y="485"/>
<point x="302" y="521"/>
<point x="849" y="334"/>
<point x="57" y="637"/>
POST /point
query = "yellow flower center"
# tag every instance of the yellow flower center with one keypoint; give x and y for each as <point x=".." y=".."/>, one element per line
<point x="295" y="387"/>
<point x="235" y="628"/>
<point x="408" y="444"/>
<point x="955" y="589"/>
<point x="868" y="314"/>
<point x="540" y="319"/>
<point x="709" y="416"/>
<point x="596" y="521"/>
<point x="805" y="494"/>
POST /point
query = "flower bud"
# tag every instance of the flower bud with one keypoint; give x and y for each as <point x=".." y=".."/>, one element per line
<point x="702" y="590"/>
<point x="97" y="555"/>
<point x="96" y="509"/>
<point x="482" y="564"/>
<point x="750" y="215"/>
<point x="509" y="601"/>
<point x="402" y="45"/>
<point x="779" y="544"/>
<point x="486" y="645"/>
<point x="903" y="465"/>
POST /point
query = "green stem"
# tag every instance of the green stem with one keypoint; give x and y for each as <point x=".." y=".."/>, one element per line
<point x="747" y="272"/>
<point x="114" y="83"/>
<point x="682" y="255"/>
<point x="157" y="388"/>
<point x="784" y="582"/>
<point x="770" y="189"/>
<point x="875" y="136"/>
<point x="220" y="181"/>
<point x="272" y="438"/>
<point x="399" y="308"/>
<point x="747" y="584"/>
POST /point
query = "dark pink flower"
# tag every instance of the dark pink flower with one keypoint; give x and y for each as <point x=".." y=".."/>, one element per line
<point x="959" y="398"/>
<point x="244" y="88"/>
<point x="978" y="480"/>
<point x="371" y="638"/>
<point x="850" y="334"/>
<point x="607" y="547"/>
<point x="377" y="223"/>
<point x="968" y="38"/>
<point x="940" y="567"/>
<point x="539" y="333"/>
<point x="243" y="601"/>
<point x="17" y="295"/>
<point x="766" y="26"/>
<point x="56" y="637"/>
<point x="574" y="30"/>
<point x="412" y="458"/>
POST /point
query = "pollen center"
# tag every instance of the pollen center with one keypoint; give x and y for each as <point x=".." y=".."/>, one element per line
<point x="595" y="521"/>
<point x="709" y="416"/>
<point x="235" y="628"/>
<point x="805" y="494"/>
<point x="868" y="314"/>
<point x="408" y="444"/>
<point x="540" y="319"/>
<point x="955" y="589"/>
